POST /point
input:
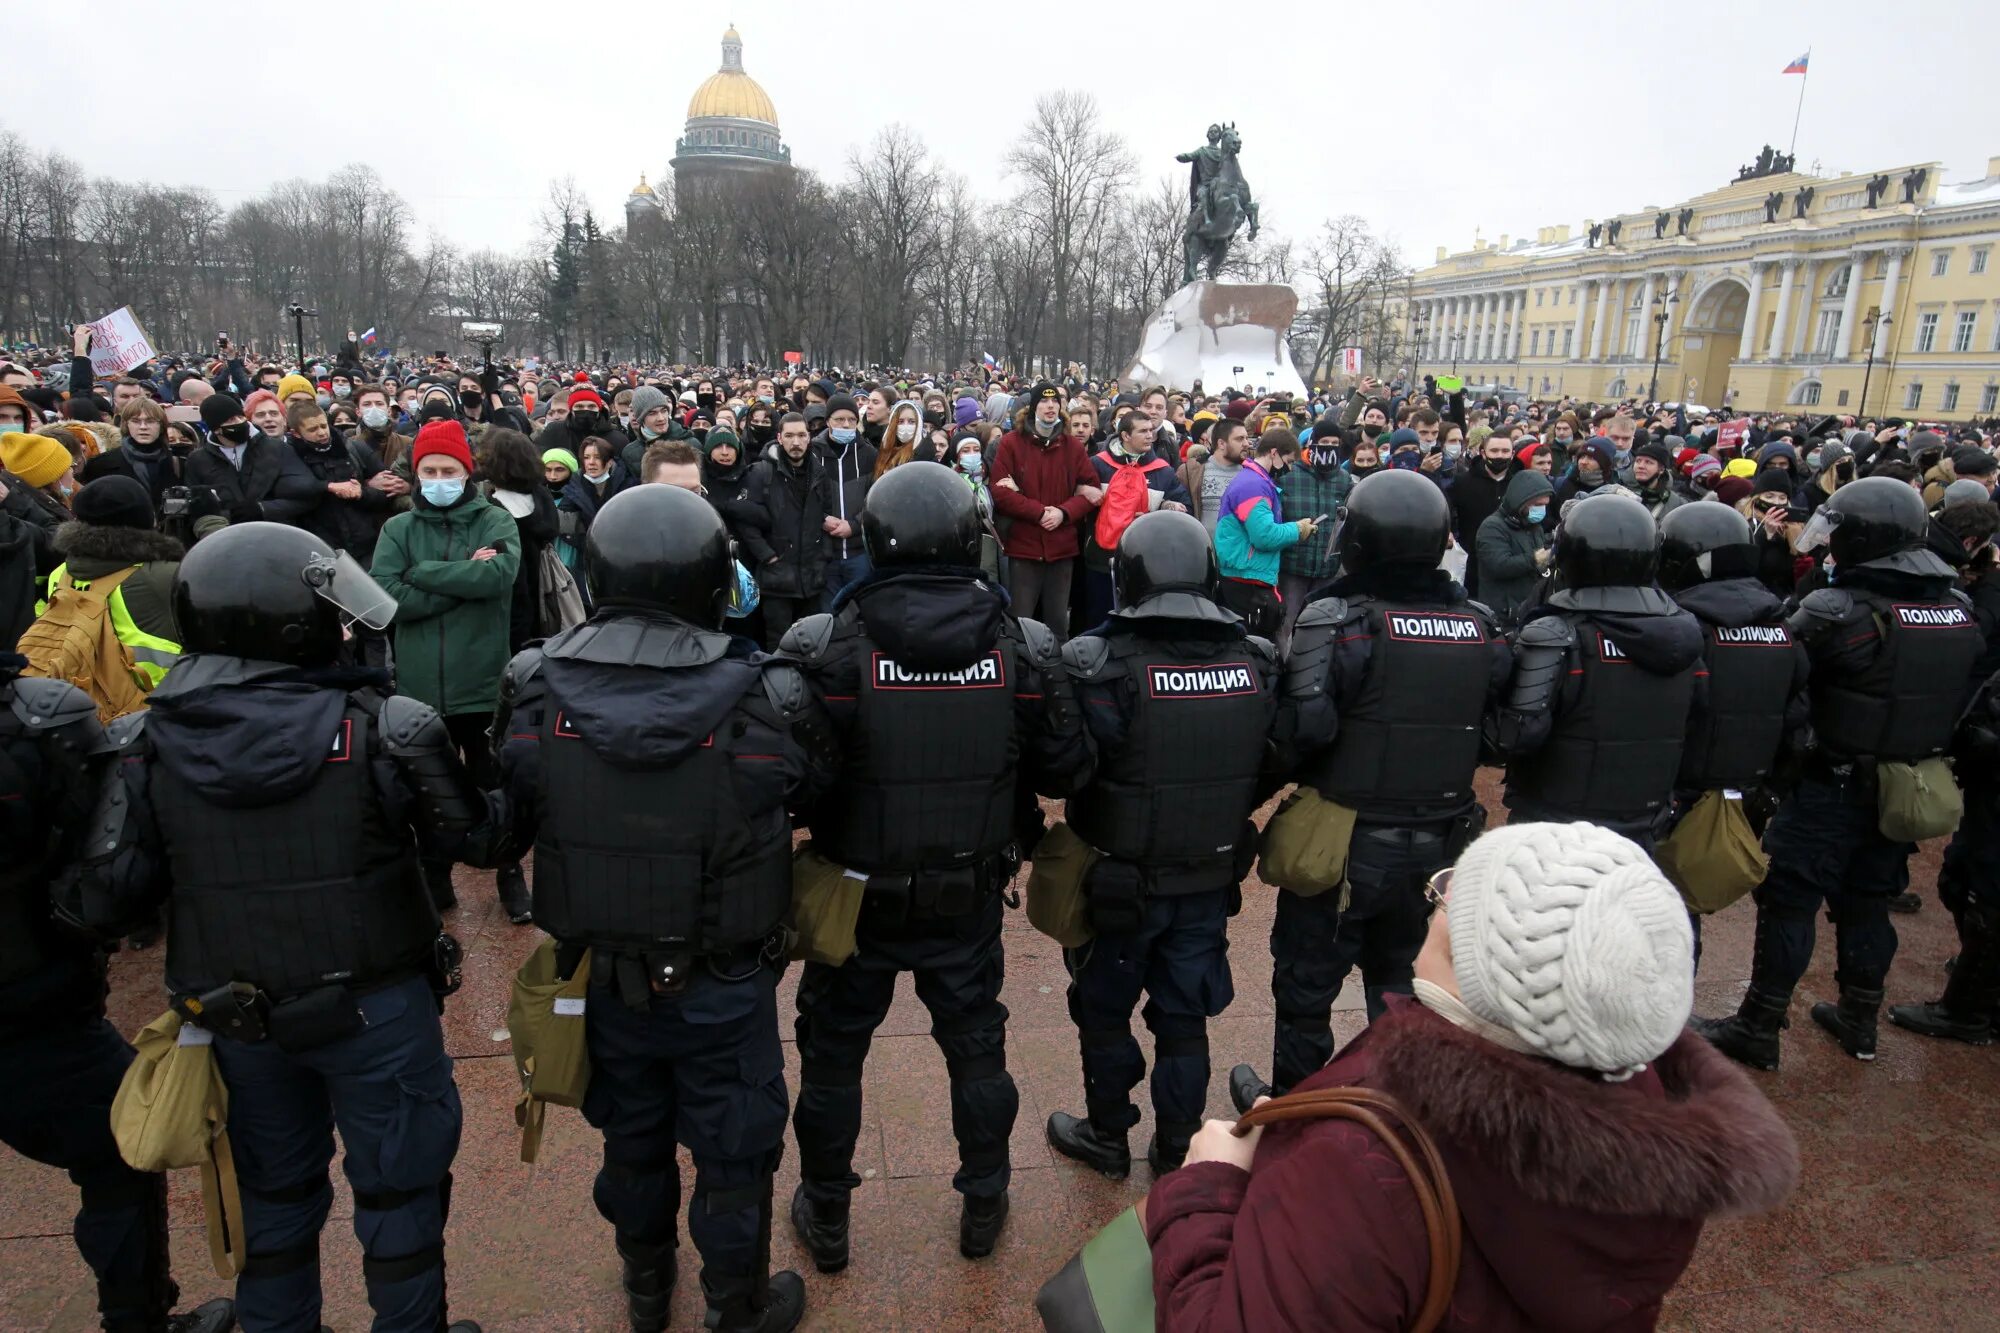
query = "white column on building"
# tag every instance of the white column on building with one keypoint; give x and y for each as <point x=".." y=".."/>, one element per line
<point x="1582" y="313"/>
<point x="1889" y="284"/>
<point x="1850" y="306"/>
<point x="1461" y="314"/>
<point x="1746" y="348"/>
<point x="1603" y="318"/>
<point x="1494" y="315"/>
<point x="1482" y="319"/>
<point x="1787" y="276"/>
<point x="1442" y="330"/>
<point x="1520" y="318"/>
<point x="1808" y="307"/>
<point x="1645" y="313"/>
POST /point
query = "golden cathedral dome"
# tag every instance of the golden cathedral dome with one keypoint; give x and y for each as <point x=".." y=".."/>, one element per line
<point x="642" y="189"/>
<point x="731" y="93"/>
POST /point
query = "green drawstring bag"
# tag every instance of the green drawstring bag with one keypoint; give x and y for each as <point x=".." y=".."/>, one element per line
<point x="1304" y="848"/>
<point x="1058" y="906"/>
<point x="545" y="1022"/>
<point x="826" y="906"/>
<point x="1712" y="856"/>
<point x="1917" y="802"/>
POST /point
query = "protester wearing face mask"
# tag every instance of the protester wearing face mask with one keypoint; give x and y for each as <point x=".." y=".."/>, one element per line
<point x="1041" y="476"/>
<point x="899" y="436"/>
<point x="1249" y="537"/>
<point x="1511" y="548"/>
<point x="451" y="564"/>
<point x="1312" y="486"/>
<point x="1834" y="470"/>
<point x="352" y="509"/>
<point x="377" y="430"/>
<point x="587" y="416"/>
<point x="1476" y="486"/>
<point x="849" y="460"/>
<point x="969" y="458"/>
<point x="37" y="474"/>
<point x="255" y="477"/>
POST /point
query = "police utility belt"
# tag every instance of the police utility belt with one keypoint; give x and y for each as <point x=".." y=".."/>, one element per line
<point x="318" y="1017"/>
<point x="666" y="967"/>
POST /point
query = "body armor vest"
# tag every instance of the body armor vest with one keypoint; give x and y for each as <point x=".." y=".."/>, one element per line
<point x="316" y="889"/>
<point x="1173" y="799"/>
<point x="928" y="769"/>
<point x="23" y="871"/>
<point x="694" y="856"/>
<point x="1733" y="741"/>
<point x="1904" y="705"/>
<point x="1612" y="757"/>
<point x="1409" y="742"/>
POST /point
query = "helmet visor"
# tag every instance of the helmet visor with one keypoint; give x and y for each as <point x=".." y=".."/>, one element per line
<point x="1818" y="531"/>
<point x="340" y="579"/>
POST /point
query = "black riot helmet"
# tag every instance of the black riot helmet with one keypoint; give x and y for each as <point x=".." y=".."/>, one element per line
<point x="1701" y="542"/>
<point x="660" y="548"/>
<point x="1394" y="517"/>
<point x="1607" y="541"/>
<point x="1165" y="566"/>
<point x="273" y="593"/>
<point x="1866" y="520"/>
<point x="921" y="514"/>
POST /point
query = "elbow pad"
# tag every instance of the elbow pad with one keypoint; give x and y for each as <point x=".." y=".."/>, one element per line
<point x="415" y="740"/>
<point x="1539" y="652"/>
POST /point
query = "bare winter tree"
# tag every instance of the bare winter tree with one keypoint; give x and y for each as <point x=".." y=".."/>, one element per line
<point x="1351" y="272"/>
<point x="898" y="198"/>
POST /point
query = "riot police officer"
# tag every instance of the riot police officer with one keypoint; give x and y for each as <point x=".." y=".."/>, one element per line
<point x="1179" y="703"/>
<point x="279" y="800"/>
<point x="1969" y="887"/>
<point x="1892" y="644"/>
<point x="1604" y="677"/>
<point x="648" y="757"/>
<point x="1751" y="706"/>
<point x="65" y="1059"/>
<point x="949" y="714"/>
<point x="1391" y="673"/>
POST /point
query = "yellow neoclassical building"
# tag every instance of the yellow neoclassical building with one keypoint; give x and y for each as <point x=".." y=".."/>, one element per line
<point x="1770" y="292"/>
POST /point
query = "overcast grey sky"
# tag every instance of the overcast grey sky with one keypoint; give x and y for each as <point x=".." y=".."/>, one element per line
<point x="1428" y="120"/>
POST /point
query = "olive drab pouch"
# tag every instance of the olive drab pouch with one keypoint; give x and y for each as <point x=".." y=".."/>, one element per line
<point x="1916" y="802"/>
<point x="545" y="1021"/>
<point x="1713" y="856"/>
<point x="1305" y="845"/>
<point x="172" y="1111"/>
<point x="1057" y="903"/>
<point x="826" y="906"/>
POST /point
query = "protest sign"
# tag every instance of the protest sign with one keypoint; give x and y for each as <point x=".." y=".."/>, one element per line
<point x="117" y="343"/>
<point x="1350" y="360"/>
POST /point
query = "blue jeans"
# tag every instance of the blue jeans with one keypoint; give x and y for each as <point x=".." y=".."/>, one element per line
<point x="389" y="1091"/>
<point x="1180" y="957"/>
<point x="843" y="573"/>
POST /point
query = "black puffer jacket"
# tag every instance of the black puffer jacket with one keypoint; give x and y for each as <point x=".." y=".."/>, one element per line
<point x="795" y="500"/>
<point x="350" y="525"/>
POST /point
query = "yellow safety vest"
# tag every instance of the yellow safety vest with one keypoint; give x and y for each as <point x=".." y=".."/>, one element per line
<point x="151" y="654"/>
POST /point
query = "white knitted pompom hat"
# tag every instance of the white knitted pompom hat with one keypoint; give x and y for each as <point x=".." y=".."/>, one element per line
<point x="1570" y="937"/>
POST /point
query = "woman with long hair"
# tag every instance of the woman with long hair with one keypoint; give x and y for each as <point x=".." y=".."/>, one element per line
<point x="900" y="435"/>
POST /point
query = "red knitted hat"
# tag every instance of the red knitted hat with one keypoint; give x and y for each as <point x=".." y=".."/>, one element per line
<point x="583" y="393"/>
<point x="441" y="437"/>
<point x="581" y="377"/>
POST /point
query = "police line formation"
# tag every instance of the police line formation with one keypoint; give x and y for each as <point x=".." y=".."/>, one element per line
<point x="279" y="801"/>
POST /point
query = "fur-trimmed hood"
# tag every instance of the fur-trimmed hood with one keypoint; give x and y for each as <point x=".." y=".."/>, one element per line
<point x="90" y="543"/>
<point x="1695" y="1139"/>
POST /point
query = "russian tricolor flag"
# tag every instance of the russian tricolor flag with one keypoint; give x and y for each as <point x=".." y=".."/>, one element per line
<point x="991" y="364"/>
<point x="369" y="336"/>
<point x="1798" y="66"/>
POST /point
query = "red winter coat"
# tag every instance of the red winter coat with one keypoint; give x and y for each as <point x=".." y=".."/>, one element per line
<point x="1048" y="473"/>
<point x="1582" y="1199"/>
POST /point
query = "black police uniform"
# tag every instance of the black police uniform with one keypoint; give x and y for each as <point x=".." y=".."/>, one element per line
<point x="1604" y="680"/>
<point x="949" y="713"/>
<point x="1391" y="673"/>
<point x="1969" y="888"/>
<point x="65" y="1058"/>
<point x="1892" y="646"/>
<point x="280" y="807"/>
<point x="1179" y="702"/>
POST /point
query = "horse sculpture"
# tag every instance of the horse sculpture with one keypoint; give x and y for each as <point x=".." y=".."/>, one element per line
<point x="1220" y="203"/>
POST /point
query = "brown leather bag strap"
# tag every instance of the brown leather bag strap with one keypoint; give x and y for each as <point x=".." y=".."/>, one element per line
<point x="1425" y="1169"/>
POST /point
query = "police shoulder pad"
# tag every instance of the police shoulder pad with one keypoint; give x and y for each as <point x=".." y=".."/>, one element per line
<point x="1962" y="597"/>
<point x="1324" y="613"/>
<point x="522" y="668"/>
<point x="1552" y="632"/>
<point x="1481" y="609"/>
<point x="408" y="723"/>
<point x="44" y="705"/>
<point x="1263" y="650"/>
<point x="807" y="639"/>
<point x="1043" y="650"/>
<point x="1087" y="656"/>
<point x="1832" y="606"/>
<point x="785" y="686"/>
<point x="124" y="732"/>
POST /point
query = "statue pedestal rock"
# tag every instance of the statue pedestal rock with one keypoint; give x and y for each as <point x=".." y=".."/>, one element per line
<point x="1206" y="330"/>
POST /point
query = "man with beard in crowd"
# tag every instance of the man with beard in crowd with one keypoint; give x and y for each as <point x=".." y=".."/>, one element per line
<point x="786" y="543"/>
<point x="1475" y="493"/>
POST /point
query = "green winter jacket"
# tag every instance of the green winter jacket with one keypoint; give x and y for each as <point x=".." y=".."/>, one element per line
<point x="452" y="611"/>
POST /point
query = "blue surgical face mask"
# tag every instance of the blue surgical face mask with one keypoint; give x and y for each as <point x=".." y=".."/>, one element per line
<point x="443" y="493"/>
<point x="841" y="434"/>
<point x="12" y="428"/>
<point x="1538" y="513"/>
<point x="972" y="464"/>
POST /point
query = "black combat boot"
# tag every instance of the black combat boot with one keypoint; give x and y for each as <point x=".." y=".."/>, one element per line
<point x="650" y="1271"/>
<point x="1852" y="1021"/>
<point x="1091" y="1144"/>
<point x="979" y="1223"/>
<point x="1906" y="903"/>
<point x="514" y="899"/>
<point x="216" y="1316"/>
<point x="1169" y="1147"/>
<point x="739" y="1305"/>
<point x="1750" y="1035"/>
<point x="1965" y="1012"/>
<point x="1246" y="1085"/>
<point x="822" y="1228"/>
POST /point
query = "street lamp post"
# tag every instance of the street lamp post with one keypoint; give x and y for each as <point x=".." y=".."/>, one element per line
<point x="1419" y="327"/>
<point x="1885" y="320"/>
<point x="1662" y="316"/>
<point x="1457" y="341"/>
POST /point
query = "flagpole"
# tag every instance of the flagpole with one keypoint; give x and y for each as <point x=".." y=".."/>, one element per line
<point x="1804" y="74"/>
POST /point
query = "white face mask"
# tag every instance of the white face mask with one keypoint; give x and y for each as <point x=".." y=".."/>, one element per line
<point x="907" y="431"/>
